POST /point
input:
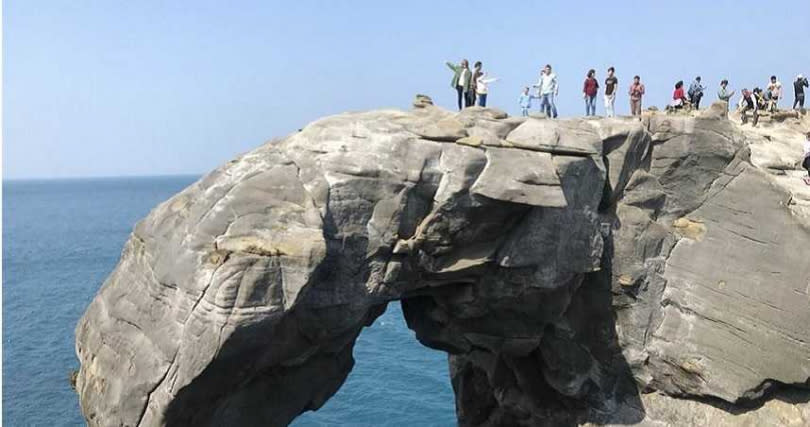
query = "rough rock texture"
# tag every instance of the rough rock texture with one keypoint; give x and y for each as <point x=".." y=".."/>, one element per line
<point x="604" y="271"/>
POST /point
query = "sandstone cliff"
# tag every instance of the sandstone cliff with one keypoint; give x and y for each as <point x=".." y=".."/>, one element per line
<point x="576" y="271"/>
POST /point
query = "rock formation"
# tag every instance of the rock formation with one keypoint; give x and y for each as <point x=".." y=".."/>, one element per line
<point x="576" y="271"/>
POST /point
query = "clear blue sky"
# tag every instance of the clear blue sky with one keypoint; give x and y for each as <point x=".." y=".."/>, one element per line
<point x="103" y="88"/>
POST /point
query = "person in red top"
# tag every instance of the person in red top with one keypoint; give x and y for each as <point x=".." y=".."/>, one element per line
<point x="636" y="92"/>
<point x="589" y="90"/>
<point x="678" y="97"/>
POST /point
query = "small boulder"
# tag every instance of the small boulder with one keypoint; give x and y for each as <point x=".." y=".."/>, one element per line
<point x="717" y="111"/>
<point x="422" y="101"/>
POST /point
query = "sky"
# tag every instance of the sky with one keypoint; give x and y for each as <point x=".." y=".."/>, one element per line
<point x="126" y="88"/>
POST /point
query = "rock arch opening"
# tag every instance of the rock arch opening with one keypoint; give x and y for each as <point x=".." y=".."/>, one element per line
<point x="395" y="378"/>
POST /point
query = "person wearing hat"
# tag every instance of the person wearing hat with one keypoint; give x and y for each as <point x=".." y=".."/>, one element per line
<point x="798" y="91"/>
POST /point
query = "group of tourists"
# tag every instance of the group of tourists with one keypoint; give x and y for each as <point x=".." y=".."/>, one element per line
<point x="547" y="89"/>
<point x="471" y="85"/>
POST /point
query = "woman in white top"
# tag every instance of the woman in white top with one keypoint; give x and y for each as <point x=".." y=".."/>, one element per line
<point x="481" y="88"/>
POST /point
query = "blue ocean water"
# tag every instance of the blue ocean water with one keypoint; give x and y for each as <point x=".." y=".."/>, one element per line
<point x="61" y="238"/>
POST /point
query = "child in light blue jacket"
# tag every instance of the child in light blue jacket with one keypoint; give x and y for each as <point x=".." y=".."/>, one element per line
<point x="525" y="102"/>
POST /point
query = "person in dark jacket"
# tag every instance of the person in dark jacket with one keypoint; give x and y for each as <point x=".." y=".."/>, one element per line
<point x="695" y="92"/>
<point x="476" y="73"/>
<point x="798" y="91"/>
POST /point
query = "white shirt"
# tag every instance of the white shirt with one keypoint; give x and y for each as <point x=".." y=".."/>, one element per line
<point x="481" y="84"/>
<point x="806" y="148"/>
<point x="776" y="89"/>
<point x="547" y="84"/>
<point x="463" y="76"/>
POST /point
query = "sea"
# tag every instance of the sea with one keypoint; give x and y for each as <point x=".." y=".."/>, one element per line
<point x="61" y="238"/>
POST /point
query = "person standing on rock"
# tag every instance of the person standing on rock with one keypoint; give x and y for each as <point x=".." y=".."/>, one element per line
<point x="547" y="90"/>
<point x="476" y="73"/>
<point x="724" y="93"/>
<point x="774" y="92"/>
<point x="798" y="91"/>
<point x="461" y="80"/>
<point x="611" y="87"/>
<point x="481" y="88"/>
<point x="525" y="102"/>
<point x="636" y="92"/>
<point x="696" y="92"/>
<point x="589" y="90"/>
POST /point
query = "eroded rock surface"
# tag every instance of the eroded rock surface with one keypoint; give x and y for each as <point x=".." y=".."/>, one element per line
<point x="576" y="271"/>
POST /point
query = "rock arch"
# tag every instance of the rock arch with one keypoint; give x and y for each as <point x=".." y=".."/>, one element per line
<point x="514" y="244"/>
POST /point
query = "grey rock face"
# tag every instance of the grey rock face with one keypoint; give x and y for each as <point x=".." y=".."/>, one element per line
<point x="567" y="266"/>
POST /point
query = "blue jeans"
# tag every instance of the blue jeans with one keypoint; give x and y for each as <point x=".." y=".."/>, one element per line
<point x="590" y="105"/>
<point x="482" y="100"/>
<point x="547" y="105"/>
<point x="524" y="111"/>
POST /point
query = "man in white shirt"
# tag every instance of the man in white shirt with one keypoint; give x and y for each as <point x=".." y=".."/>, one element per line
<point x="547" y="91"/>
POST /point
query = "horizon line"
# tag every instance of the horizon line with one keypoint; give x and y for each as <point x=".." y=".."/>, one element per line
<point x="91" y="177"/>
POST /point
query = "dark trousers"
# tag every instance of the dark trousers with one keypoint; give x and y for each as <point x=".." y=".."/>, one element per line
<point x="482" y="100"/>
<point x="469" y="98"/>
<point x="696" y="100"/>
<point x="799" y="101"/>
<point x="806" y="164"/>
<point x="460" y="91"/>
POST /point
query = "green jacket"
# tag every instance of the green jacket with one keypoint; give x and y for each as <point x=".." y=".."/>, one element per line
<point x="457" y="75"/>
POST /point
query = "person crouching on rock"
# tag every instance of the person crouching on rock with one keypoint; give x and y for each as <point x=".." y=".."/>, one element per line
<point x="760" y="98"/>
<point x="678" y="97"/>
<point x="748" y="103"/>
<point x="461" y="80"/>
<point x="806" y="159"/>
